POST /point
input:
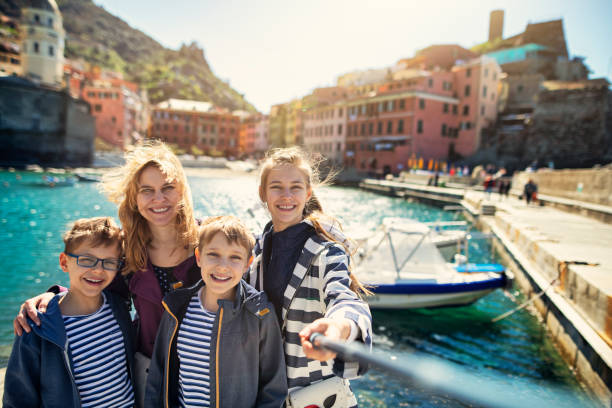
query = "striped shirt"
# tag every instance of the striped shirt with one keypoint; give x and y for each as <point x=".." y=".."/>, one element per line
<point x="193" y="346"/>
<point x="98" y="359"/>
<point x="319" y="287"/>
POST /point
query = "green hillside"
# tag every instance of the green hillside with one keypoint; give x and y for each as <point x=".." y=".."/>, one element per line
<point x="98" y="37"/>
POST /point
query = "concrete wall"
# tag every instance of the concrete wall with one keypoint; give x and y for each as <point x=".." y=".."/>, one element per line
<point x="596" y="184"/>
<point x="43" y="126"/>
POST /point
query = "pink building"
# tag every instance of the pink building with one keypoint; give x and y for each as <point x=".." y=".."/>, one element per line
<point x="324" y="131"/>
<point x="433" y="116"/>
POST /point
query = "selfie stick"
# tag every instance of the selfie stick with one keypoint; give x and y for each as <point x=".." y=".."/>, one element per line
<point x="448" y="379"/>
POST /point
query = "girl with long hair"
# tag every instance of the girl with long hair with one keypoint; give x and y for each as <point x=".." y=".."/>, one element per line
<point x="302" y="264"/>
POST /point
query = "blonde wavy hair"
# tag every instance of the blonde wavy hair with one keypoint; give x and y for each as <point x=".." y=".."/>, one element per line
<point x="121" y="187"/>
<point x="313" y="210"/>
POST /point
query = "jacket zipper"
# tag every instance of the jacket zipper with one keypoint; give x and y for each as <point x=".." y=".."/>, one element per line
<point x="167" y="380"/>
<point x="217" y="358"/>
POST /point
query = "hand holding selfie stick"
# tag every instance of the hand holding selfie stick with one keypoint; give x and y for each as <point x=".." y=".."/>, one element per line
<point x="449" y="379"/>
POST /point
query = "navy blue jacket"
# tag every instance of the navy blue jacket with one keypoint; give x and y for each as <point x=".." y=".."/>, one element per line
<point x="39" y="372"/>
<point x="250" y="369"/>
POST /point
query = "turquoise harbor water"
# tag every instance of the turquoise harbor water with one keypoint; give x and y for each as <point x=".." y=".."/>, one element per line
<point x="33" y="217"/>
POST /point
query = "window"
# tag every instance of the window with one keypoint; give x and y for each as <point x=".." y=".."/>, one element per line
<point x="467" y="90"/>
<point x="468" y="72"/>
<point x="349" y="128"/>
<point x="363" y="129"/>
<point x="187" y="129"/>
<point x="468" y="125"/>
<point x="51" y="51"/>
<point x="482" y="110"/>
<point x="454" y="109"/>
<point x="165" y="126"/>
<point x="339" y="147"/>
<point x="212" y="128"/>
<point x="175" y="128"/>
<point x="222" y="129"/>
<point x="371" y="128"/>
<point x="484" y="91"/>
<point x="466" y="110"/>
<point x="430" y="83"/>
<point x="486" y="72"/>
<point x="400" y="126"/>
<point x="50" y="22"/>
<point x="36" y="47"/>
<point x="37" y="18"/>
<point x="421" y="103"/>
<point x="419" y="126"/>
<point x="389" y="127"/>
<point x="339" y="129"/>
<point x="339" y="112"/>
<point x="91" y="94"/>
<point x="443" y="129"/>
<point x="114" y="119"/>
<point x="380" y="127"/>
<point x="445" y="108"/>
<point x="204" y="128"/>
<point x="98" y="108"/>
<point x="381" y="106"/>
<point x="402" y="104"/>
<point x="519" y="88"/>
<point x="390" y="106"/>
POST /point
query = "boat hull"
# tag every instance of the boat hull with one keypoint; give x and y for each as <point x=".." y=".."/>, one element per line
<point x="407" y="295"/>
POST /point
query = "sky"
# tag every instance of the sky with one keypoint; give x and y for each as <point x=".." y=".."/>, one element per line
<point x="273" y="51"/>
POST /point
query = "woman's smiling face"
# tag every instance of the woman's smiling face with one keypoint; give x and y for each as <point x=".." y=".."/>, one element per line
<point x="157" y="197"/>
<point x="286" y="193"/>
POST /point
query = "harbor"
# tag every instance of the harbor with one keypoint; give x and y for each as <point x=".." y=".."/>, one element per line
<point x="558" y="250"/>
<point x="34" y="216"/>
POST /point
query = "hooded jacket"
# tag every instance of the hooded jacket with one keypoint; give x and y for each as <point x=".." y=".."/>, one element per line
<point x="247" y="365"/>
<point x="40" y="368"/>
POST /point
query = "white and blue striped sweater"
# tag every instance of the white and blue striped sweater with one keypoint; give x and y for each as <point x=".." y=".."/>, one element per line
<point x="319" y="287"/>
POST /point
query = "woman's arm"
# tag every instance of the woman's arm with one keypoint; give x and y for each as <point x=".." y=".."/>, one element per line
<point x="29" y="309"/>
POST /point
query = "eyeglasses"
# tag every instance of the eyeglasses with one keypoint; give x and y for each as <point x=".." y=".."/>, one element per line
<point x="88" y="261"/>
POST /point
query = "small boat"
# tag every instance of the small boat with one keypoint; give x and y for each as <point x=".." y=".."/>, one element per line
<point x="57" y="181"/>
<point x="405" y="270"/>
<point x="87" y="178"/>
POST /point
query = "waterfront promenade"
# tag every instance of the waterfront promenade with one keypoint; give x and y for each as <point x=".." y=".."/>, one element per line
<point x="565" y="254"/>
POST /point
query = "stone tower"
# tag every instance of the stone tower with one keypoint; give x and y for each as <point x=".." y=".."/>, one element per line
<point x="496" y="25"/>
<point x="43" y="34"/>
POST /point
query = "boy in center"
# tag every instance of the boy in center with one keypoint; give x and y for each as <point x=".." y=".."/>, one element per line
<point x="218" y="343"/>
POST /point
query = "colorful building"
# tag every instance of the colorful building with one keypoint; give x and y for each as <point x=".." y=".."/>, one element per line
<point x="434" y="116"/>
<point x="324" y="131"/>
<point x="120" y="109"/>
<point x="189" y="124"/>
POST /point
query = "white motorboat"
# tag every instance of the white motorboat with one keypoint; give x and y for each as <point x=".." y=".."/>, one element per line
<point x="405" y="270"/>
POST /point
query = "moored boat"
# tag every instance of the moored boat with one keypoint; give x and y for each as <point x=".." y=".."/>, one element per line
<point x="405" y="270"/>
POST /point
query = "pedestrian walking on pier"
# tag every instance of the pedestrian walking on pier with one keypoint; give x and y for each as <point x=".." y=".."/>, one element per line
<point x="530" y="191"/>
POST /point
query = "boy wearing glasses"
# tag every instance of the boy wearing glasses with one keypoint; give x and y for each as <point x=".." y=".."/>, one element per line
<point x="81" y="355"/>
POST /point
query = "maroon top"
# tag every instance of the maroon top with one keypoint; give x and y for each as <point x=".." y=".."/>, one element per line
<point x="147" y="297"/>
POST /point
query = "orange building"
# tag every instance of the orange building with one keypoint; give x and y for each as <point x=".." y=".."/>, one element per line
<point x="120" y="111"/>
<point x="186" y="124"/>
